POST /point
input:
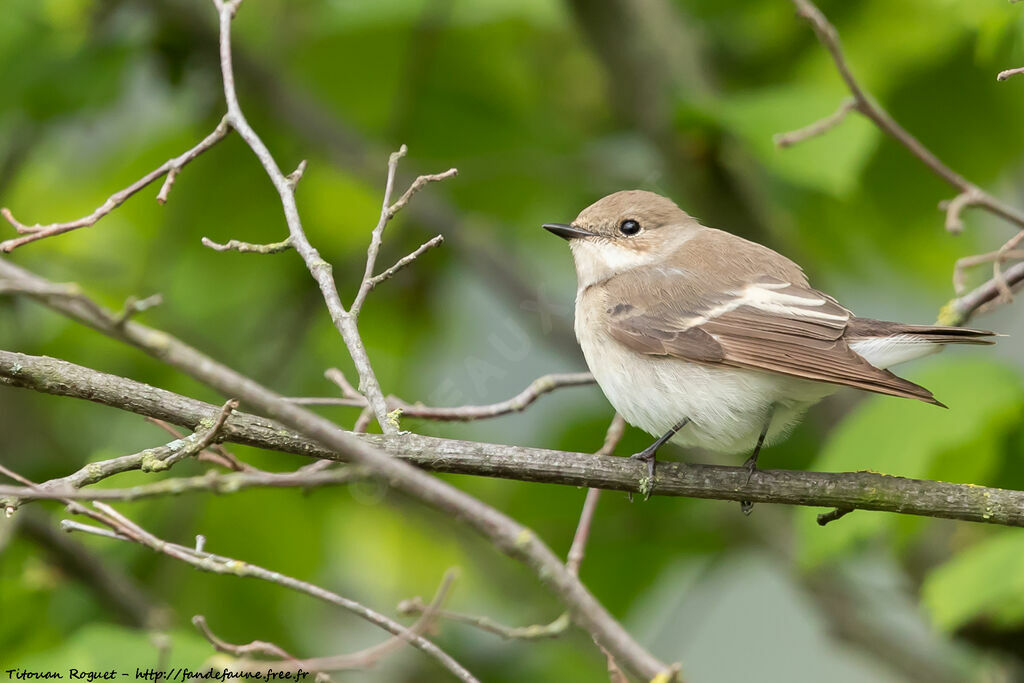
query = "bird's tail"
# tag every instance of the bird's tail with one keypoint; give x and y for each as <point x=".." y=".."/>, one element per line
<point x="865" y="328"/>
<point x="884" y="344"/>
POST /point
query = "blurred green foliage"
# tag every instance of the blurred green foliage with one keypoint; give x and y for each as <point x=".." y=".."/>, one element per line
<point x="528" y="100"/>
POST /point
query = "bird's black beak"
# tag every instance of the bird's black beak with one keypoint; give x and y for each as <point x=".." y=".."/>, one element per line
<point x="566" y="231"/>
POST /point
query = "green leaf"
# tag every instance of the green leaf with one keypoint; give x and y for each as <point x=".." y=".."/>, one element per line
<point x="912" y="439"/>
<point x="987" y="579"/>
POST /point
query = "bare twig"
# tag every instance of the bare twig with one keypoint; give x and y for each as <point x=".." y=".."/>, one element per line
<point x="521" y="401"/>
<point x="865" y="104"/>
<point x="338" y="377"/>
<point x="171" y="168"/>
<point x="981" y="298"/>
<point x="122" y="528"/>
<point x="955" y="206"/>
<point x="537" y="388"/>
<point x="837" y="513"/>
<point x="363" y="659"/>
<point x="532" y="632"/>
<point x="134" y="306"/>
<point x="212" y="481"/>
<point x="249" y="247"/>
<point x="295" y="176"/>
<point x="149" y="460"/>
<point x="259" y="647"/>
<point x="418" y="185"/>
<point x="573" y="560"/>
<point x="388" y="212"/>
<point x="113" y="588"/>
<point x="1007" y="73"/>
<point x="215" y="453"/>
<point x="376" y="237"/>
<point x="1007" y="252"/>
<point x="818" y="127"/>
<point x="368" y="657"/>
<point x="579" y="540"/>
<point x="405" y="261"/>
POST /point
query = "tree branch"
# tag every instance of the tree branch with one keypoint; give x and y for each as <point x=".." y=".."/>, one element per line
<point x="866" y="105"/>
<point x="542" y="385"/>
<point x="504" y="533"/>
<point x="1007" y="73"/>
<point x="122" y="528"/>
<point x="856" y="490"/>
<point x="170" y="168"/>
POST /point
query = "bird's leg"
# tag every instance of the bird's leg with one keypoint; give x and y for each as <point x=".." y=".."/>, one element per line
<point x="650" y="454"/>
<point x="751" y="464"/>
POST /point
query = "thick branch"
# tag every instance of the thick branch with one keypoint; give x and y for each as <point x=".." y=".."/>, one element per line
<point x="857" y="490"/>
<point x="504" y="533"/>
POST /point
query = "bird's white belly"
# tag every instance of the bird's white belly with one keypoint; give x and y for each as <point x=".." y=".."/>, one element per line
<point x="727" y="407"/>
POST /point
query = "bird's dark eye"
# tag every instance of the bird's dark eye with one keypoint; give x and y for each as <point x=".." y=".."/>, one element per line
<point x="629" y="227"/>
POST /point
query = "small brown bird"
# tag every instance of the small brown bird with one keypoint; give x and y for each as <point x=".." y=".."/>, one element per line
<point x="688" y="326"/>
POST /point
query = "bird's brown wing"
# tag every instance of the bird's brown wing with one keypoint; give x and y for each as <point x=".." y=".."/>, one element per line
<point x="763" y="323"/>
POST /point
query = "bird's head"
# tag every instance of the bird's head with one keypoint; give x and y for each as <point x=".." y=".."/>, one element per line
<point x="623" y="231"/>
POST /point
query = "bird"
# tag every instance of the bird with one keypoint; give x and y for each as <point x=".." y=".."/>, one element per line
<point x="704" y="338"/>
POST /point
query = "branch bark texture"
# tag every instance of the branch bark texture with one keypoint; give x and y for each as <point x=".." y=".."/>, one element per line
<point x="853" y="490"/>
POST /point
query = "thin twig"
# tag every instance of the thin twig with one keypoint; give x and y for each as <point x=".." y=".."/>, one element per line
<point x="818" y="127"/>
<point x="1007" y="73"/>
<point x="134" y="306"/>
<point x="215" y="453"/>
<point x="338" y="377"/>
<point x="212" y="481"/>
<point x="377" y="235"/>
<point x="983" y="297"/>
<point x="259" y="647"/>
<point x="249" y="247"/>
<point x="537" y="388"/>
<point x="171" y="168"/>
<point x="1007" y="252"/>
<point x="119" y="592"/>
<point x="388" y="212"/>
<point x="542" y="385"/>
<point x="579" y="540"/>
<point x="573" y="560"/>
<point x="120" y="527"/>
<point x="363" y="659"/>
<point x="320" y="269"/>
<point x="831" y="516"/>
<point x="405" y="261"/>
<point x="418" y="185"/>
<point x="955" y="206"/>
<point x="532" y="632"/>
<point x="865" y="104"/>
<point x="150" y="460"/>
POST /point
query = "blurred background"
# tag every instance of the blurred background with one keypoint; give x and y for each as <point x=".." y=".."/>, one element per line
<point x="544" y="107"/>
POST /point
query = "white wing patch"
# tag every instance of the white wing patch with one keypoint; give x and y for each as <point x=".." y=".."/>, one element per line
<point x="765" y="296"/>
<point x="883" y="352"/>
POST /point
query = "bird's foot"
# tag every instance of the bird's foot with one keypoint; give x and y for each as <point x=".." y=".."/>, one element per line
<point x="751" y="465"/>
<point x="746" y="506"/>
<point x="650" y="456"/>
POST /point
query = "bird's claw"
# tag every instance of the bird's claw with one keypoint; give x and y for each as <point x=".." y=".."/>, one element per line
<point x="651" y="458"/>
